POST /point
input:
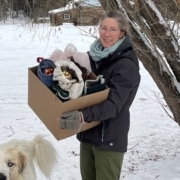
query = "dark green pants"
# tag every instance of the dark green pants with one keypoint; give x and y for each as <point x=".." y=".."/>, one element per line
<point x="98" y="164"/>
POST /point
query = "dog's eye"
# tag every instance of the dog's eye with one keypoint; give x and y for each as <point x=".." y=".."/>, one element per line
<point x="10" y="164"/>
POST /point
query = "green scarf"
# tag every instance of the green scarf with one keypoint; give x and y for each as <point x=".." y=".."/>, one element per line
<point x="97" y="52"/>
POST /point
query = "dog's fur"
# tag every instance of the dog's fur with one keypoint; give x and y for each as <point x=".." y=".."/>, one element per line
<point x="17" y="158"/>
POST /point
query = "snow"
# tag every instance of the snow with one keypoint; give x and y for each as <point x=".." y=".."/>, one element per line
<point x="154" y="138"/>
<point x="67" y="7"/>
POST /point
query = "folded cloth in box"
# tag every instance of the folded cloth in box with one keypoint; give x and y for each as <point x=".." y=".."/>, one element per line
<point x="92" y="86"/>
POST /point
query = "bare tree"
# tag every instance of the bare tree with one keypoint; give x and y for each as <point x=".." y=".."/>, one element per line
<point x="156" y="43"/>
<point x="3" y="10"/>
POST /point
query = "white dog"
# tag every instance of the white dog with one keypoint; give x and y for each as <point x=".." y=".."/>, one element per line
<point x="17" y="158"/>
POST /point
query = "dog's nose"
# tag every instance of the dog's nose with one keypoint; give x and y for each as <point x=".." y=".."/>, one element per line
<point x="2" y="176"/>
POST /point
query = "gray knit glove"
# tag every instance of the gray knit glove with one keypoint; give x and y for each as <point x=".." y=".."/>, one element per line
<point x="71" y="120"/>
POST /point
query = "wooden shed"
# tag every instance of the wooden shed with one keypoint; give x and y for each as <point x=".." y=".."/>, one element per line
<point x="80" y="13"/>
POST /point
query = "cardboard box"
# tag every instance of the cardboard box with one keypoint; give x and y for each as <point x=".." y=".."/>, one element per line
<point x="48" y="106"/>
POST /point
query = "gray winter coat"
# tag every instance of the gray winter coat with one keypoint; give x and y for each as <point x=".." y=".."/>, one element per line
<point x="121" y="72"/>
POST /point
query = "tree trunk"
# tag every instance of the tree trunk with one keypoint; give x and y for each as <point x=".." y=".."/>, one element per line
<point x="154" y="41"/>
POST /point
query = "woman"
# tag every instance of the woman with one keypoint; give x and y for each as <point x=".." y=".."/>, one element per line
<point x="102" y="148"/>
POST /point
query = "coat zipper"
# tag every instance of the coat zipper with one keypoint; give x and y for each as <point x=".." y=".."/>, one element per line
<point x="102" y="136"/>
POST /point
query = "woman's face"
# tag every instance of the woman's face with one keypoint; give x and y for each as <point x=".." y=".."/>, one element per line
<point x="109" y="32"/>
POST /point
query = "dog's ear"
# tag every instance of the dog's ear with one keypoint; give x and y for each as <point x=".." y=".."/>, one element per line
<point x="22" y="161"/>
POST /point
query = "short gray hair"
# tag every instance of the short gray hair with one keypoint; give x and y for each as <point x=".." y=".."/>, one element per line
<point x="119" y="17"/>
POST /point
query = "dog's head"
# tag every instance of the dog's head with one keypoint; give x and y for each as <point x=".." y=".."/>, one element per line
<point x="12" y="164"/>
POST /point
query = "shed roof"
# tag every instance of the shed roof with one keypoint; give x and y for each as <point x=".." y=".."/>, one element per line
<point x="85" y="3"/>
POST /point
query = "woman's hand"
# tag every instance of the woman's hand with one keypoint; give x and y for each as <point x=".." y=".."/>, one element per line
<point x="71" y="120"/>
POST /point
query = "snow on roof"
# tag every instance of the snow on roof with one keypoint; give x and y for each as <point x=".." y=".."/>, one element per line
<point x="87" y="3"/>
<point x="67" y="7"/>
<point x="90" y="2"/>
